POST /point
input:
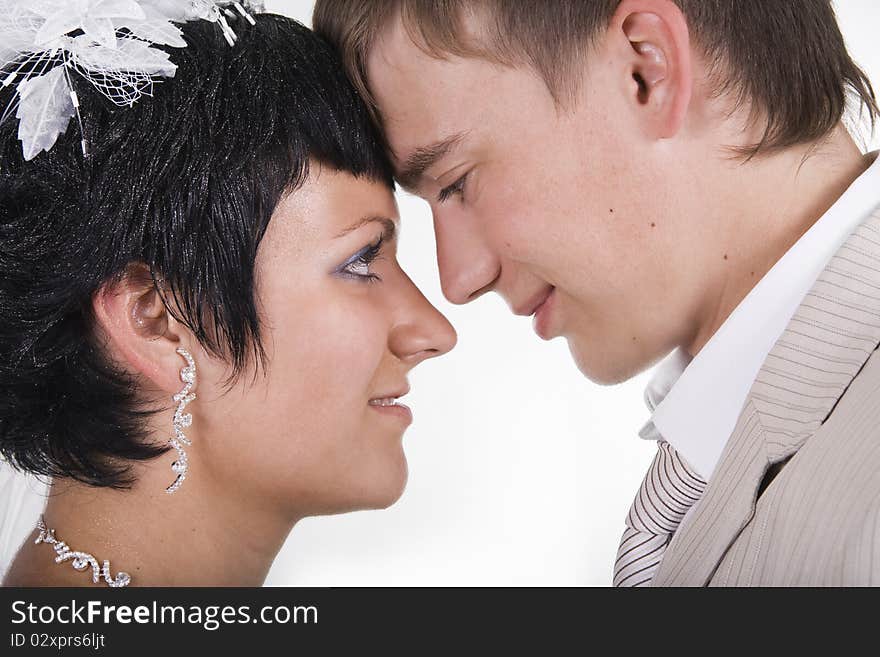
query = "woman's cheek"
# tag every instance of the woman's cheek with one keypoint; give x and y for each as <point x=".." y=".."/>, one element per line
<point x="345" y="343"/>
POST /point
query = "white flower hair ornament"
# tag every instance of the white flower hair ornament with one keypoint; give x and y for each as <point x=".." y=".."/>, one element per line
<point x="113" y="51"/>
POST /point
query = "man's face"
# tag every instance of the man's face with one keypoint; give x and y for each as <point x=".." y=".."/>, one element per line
<point x="561" y="206"/>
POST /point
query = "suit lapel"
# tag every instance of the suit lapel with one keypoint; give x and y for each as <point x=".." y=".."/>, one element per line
<point x="827" y="342"/>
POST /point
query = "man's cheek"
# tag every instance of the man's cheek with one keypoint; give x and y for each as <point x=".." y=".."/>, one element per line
<point x="513" y="232"/>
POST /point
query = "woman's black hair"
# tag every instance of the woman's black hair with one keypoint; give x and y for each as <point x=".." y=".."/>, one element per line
<point x="184" y="182"/>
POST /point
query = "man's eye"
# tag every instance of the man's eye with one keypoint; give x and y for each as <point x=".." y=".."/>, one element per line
<point x="456" y="188"/>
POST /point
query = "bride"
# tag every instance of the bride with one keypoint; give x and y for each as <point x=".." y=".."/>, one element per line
<point x="204" y="330"/>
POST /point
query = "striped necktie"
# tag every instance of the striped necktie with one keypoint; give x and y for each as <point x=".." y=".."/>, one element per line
<point x="670" y="488"/>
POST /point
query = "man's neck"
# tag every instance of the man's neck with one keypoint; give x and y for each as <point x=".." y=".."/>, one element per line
<point x="769" y="203"/>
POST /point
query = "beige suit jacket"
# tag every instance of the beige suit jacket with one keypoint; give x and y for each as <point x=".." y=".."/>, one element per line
<point x="814" y="409"/>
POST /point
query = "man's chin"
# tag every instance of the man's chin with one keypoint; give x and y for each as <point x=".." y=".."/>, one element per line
<point x="600" y="365"/>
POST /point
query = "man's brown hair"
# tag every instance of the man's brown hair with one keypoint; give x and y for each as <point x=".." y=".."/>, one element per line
<point x="786" y="59"/>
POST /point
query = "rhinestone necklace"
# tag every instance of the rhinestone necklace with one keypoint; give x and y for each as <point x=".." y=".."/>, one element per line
<point x="81" y="560"/>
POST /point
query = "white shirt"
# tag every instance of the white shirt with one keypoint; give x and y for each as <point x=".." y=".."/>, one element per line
<point x="696" y="402"/>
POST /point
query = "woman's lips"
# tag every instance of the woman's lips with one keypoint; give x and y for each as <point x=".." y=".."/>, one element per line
<point x="391" y="407"/>
<point x="543" y="321"/>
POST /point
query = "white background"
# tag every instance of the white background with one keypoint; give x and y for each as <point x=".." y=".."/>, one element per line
<point x="521" y="471"/>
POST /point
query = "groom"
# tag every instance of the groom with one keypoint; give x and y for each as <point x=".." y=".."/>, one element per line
<point x="653" y="178"/>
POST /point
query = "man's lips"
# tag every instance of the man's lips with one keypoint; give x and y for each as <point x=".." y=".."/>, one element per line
<point x="531" y="306"/>
<point x="543" y="322"/>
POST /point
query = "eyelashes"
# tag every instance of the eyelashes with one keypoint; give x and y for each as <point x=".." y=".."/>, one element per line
<point x="358" y="266"/>
<point x="455" y="189"/>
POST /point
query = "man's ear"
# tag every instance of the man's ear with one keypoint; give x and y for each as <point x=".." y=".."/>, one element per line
<point x="142" y="335"/>
<point x="658" y="61"/>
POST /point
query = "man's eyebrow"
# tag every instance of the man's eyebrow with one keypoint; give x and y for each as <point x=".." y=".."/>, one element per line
<point x="387" y="235"/>
<point x="423" y="158"/>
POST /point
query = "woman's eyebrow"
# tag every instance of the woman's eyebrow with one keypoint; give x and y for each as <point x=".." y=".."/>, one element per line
<point x="423" y="158"/>
<point x="388" y="234"/>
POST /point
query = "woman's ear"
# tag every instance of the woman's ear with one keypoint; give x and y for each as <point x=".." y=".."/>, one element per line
<point x="658" y="63"/>
<point x="140" y="332"/>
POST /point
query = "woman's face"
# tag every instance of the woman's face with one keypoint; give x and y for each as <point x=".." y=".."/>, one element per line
<point x="342" y="327"/>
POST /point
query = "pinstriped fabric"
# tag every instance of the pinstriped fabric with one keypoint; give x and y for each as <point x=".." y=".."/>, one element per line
<point x="816" y="524"/>
<point x="815" y="401"/>
<point x="669" y="490"/>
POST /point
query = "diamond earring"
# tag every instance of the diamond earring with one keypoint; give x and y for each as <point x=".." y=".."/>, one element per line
<point x="182" y="420"/>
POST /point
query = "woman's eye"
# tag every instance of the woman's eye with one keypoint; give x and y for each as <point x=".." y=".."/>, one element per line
<point x="456" y="188"/>
<point x="359" y="265"/>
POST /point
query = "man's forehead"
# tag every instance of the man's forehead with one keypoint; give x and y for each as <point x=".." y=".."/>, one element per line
<point x="392" y="44"/>
<point x="427" y="104"/>
<point x="402" y="98"/>
<point x="419" y="97"/>
<point x="395" y="64"/>
<point x="413" y="110"/>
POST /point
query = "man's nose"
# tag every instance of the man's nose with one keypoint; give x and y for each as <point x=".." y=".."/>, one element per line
<point x="468" y="267"/>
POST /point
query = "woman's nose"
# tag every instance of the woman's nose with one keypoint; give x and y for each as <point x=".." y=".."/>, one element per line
<point x="420" y="331"/>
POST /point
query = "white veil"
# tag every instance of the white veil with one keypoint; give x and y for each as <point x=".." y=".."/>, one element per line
<point x="22" y="500"/>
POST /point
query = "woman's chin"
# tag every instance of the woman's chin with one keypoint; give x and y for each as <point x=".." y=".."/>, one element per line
<point x="377" y="489"/>
<point x="387" y="489"/>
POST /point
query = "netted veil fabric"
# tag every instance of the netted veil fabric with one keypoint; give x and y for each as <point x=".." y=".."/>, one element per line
<point x="22" y="499"/>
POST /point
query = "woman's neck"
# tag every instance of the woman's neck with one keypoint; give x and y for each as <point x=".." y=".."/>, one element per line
<point x="201" y="535"/>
